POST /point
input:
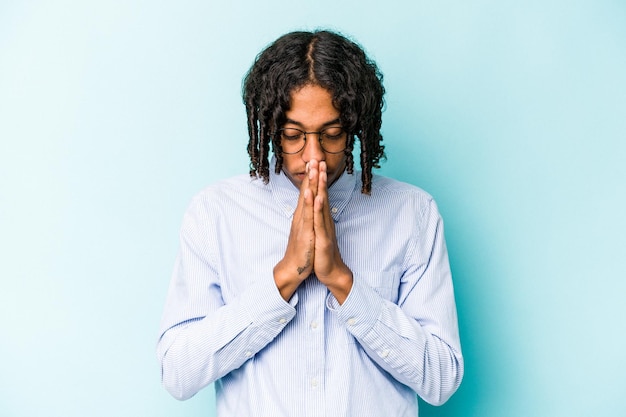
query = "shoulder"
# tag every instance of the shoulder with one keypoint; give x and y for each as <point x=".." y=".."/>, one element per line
<point x="230" y="188"/>
<point x="229" y="192"/>
<point x="399" y="198"/>
<point x="408" y="204"/>
<point x="391" y="196"/>
<point x="389" y="188"/>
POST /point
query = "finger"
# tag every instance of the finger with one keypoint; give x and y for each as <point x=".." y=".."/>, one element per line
<point x="322" y="205"/>
<point x="305" y="182"/>
<point x="319" y="221"/>
<point x="325" y="244"/>
<point x="297" y="215"/>
<point x="323" y="192"/>
<point x="308" y="208"/>
<point x="322" y="182"/>
<point x="313" y="176"/>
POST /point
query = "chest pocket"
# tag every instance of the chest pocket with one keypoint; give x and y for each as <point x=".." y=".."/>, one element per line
<point x="385" y="283"/>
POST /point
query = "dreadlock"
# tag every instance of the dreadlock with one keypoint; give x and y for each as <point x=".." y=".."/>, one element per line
<point x="319" y="58"/>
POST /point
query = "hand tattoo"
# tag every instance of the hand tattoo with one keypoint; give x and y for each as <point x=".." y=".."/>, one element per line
<point x="308" y="263"/>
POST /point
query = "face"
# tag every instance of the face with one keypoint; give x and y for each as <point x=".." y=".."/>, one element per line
<point x="312" y="110"/>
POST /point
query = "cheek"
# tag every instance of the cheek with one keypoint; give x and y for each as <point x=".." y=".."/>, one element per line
<point x="336" y="163"/>
<point x="291" y="168"/>
<point x="289" y="164"/>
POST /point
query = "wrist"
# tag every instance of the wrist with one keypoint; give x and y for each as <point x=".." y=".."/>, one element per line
<point x="286" y="282"/>
<point x="341" y="284"/>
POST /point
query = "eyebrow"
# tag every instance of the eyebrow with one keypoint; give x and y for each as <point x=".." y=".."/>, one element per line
<point x="332" y="122"/>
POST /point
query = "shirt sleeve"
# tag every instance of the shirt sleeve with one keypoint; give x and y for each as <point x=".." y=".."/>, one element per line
<point x="416" y="340"/>
<point x="201" y="337"/>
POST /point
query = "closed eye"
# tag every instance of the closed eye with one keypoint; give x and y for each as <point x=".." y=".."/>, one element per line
<point x="332" y="133"/>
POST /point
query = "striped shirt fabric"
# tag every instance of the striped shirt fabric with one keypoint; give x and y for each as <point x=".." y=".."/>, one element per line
<point x="225" y="323"/>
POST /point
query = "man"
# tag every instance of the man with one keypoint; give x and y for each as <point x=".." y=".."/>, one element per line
<point x="308" y="289"/>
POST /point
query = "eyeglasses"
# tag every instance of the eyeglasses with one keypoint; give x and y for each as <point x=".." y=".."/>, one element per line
<point x="332" y="139"/>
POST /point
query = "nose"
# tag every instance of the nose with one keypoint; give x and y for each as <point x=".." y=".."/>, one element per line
<point x="313" y="148"/>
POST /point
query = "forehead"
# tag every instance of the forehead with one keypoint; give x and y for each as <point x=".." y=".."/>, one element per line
<point x="311" y="106"/>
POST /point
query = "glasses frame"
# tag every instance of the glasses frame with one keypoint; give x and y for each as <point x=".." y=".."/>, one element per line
<point x="280" y="131"/>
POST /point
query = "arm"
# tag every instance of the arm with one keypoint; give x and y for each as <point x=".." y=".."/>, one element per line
<point x="417" y="340"/>
<point x="202" y="338"/>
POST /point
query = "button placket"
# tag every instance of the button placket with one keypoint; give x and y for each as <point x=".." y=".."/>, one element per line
<point x="313" y="319"/>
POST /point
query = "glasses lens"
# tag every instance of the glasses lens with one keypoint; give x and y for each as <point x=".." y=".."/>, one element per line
<point x="292" y="140"/>
<point x="333" y="139"/>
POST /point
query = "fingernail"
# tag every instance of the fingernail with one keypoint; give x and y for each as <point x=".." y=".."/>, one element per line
<point x="307" y="168"/>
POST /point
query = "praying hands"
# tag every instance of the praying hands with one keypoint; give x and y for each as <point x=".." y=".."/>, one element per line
<point x="312" y="247"/>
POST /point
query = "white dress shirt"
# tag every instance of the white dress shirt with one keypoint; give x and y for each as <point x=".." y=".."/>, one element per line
<point x="395" y="336"/>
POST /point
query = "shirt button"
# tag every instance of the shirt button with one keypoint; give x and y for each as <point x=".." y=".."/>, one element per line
<point x="282" y="321"/>
<point x="351" y="322"/>
<point x="334" y="210"/>
<point x="314" y="382"/>
<point x="314" y="325"/>
<point x="248" y="354"/>
<point x="384" y="353"/>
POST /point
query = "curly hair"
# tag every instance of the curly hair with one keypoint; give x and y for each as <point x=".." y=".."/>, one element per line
<point x="325" y="59"/>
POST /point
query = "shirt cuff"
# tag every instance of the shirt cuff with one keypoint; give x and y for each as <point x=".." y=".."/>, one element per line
<point x="360" y="311"/>
<point x="264" y="304"/>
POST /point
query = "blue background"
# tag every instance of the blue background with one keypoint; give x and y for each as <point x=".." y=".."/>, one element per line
<point x="113" y="114"/>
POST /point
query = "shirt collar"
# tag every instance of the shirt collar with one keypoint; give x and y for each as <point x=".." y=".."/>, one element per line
<point x="286" y="194"/>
